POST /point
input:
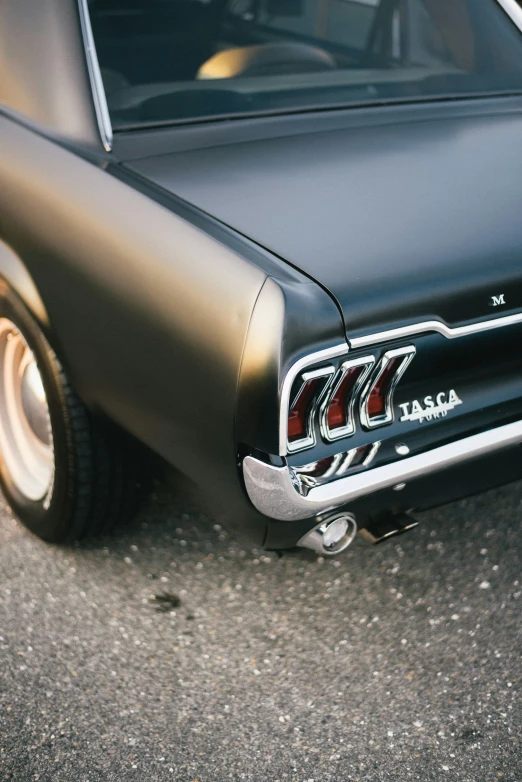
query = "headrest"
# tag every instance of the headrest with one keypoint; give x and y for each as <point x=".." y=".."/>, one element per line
<point x="265" y="60"/>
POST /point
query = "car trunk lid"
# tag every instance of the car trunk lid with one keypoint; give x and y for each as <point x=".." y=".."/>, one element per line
<point x="402" y="222"/>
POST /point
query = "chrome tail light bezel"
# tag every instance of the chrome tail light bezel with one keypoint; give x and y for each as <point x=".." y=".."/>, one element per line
<point x="407" y="353"/>
<point x="357" y="398"/>
<point x="309" y="440"/>
<point x="337" y="433"/>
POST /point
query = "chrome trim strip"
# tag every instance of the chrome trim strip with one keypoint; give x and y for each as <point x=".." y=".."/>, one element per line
<point x="95" y="77"/>
<point x="272" y="492"/>
<point x="513" y="10"/>
<point x="434" y="325"/>
<point x="309" y="440"/>
<point x="313" y="358"/>
<point x="372" y="422"/>
<point x="345" y="431"/>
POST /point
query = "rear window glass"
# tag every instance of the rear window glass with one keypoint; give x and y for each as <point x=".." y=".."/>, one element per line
<point x="183" y="60"/>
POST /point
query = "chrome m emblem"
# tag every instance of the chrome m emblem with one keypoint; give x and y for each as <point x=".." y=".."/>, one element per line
<point x="430" y="407"/>
<point x="497" y="301"/>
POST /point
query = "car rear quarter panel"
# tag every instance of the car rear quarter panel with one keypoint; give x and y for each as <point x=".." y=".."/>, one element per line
<point x="149" y="313"/>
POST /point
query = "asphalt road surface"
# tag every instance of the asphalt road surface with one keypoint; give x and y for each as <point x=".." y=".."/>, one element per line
<point x="172" y="651"/>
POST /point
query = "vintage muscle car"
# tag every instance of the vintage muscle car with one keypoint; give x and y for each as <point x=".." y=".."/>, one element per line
<point x="276" y="242"/>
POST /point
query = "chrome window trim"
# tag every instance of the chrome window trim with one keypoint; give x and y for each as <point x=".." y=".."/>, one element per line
<point x="513" y="10"/>
<point x="98" y="90"/>
<point x="348" y="430"/>
<point x="312" y="358"/>
<point x="372" y="422"/>
<point x="272" y="492"/>
<point x="309" y="440"/>
<point x="414" y="329"/>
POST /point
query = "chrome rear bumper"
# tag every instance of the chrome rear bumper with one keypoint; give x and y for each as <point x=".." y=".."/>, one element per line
<point x="273" y="491"/>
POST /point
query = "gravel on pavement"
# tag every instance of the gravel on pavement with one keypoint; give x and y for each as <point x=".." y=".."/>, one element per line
<point x="173" y="651"/>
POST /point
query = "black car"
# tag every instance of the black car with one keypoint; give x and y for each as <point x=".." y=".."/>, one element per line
<point x="276" y="242"/>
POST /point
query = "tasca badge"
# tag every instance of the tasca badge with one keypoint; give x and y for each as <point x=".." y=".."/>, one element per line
<point x="430" y="407"/>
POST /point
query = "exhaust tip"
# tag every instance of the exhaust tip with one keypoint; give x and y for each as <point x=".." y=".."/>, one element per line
<point x="332" y="535"/>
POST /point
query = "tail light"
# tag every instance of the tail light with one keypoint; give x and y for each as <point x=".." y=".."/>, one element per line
<point x="324" y="400"/>
<point x="307" y="397"/>
<point x="337" y="412"/>
<point x="376" y="408"/>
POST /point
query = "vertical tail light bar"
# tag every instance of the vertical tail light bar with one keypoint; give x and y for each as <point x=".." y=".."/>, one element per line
<point x="310" y="391"/>
<point x="376" y="406"/>
<point x="337" y="411"/>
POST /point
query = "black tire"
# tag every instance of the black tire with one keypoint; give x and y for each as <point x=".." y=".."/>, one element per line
<point x="99" y="471"/>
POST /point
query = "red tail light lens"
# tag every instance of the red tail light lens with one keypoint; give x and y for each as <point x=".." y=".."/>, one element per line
<point x="381" y="389"/>
<point x="337" y="412"/>
<point x="377" y="398"/>
<point x="300" y="413"/>
<point x="338" y="408"/>
<point x="308" y="394"/>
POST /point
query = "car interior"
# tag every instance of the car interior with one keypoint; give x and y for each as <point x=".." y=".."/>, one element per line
<point x="168" y="60"/>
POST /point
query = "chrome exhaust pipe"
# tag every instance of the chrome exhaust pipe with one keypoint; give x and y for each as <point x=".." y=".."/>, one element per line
<point x="333" y="534"/>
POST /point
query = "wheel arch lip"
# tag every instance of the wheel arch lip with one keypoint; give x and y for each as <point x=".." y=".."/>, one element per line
<point x="15" y="275"/>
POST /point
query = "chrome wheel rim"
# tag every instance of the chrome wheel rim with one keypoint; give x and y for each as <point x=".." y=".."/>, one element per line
<point x="26" y="442"/>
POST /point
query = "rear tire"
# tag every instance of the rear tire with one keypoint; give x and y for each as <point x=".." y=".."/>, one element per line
<point x="64" y="473"/>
